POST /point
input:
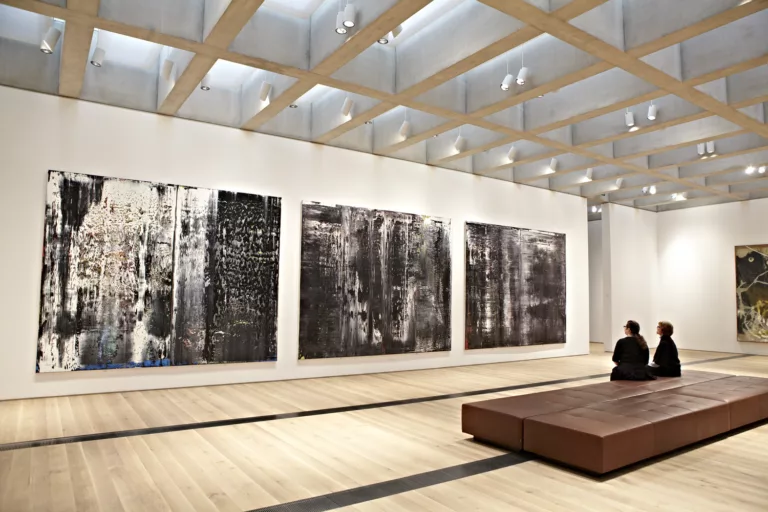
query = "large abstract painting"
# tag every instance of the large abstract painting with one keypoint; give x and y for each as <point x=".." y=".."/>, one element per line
<point x="752" y="293"/>
<point x="140" y="274"/>
<point x="515" y="287"/>
<point x="373" y="282"/>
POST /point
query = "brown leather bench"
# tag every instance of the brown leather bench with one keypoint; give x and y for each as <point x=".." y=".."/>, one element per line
<point x="603" y="427"/>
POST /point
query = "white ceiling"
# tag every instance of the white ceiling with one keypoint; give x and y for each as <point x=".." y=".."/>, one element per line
<point x="444" y="68"/>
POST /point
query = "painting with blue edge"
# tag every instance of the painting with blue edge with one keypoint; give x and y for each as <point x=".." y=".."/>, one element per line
<point x="139" y="274"/>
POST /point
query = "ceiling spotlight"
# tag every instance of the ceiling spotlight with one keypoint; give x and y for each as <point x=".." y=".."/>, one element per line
<point x="553" y="165"/>
<point x="369" y="122"/>
<point x="511" y="154"/>
<point x="588" y="175"/>
<point x="205" y="83"/>
<point x="167" y="71"/>
<point x="293" y="105"/>
<point x="761" y="170"/>
<point x="349" y="16"/>
<point x="711" y="147"/>
<point x="384" y="40"/>
<point x="682" y="196"/>
<point x="652" y="190"/>
<point x="346" y="108"/>
<point x="645" y="191"/>
<point x="507" y="82"/>
<point x="97" y="59"/>
<point x="750" y="169"/>
<point x="50" y="40"/>
<point x="701" y="148"/>
<point x="405" y="129"/>
<point x="460" y="143"/>
<point x="674" y="197"/>
<point x="266" y="87"/>
<point x="652" y="110"/>
<point x="522" y="76"/>
<point x="397" y="31"/>
<point x="629" y="118"/>
<point x="600" y="210"/>
<point x="619" y="182"/>
<point x="594" y="209"/>
<point x="340" y="28"/>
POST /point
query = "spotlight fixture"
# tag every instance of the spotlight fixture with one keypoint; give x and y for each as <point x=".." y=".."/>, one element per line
<point x="652" y="111"/>
<point x="349" y="16"/>
<point x="588" y="175"/>
<point x="50" y="40"/>
<point x="266" y="87"/>
<point x="293" y="105"/>
<point x="645" y="191"/>
<point x="553" y="165"/>
<point x="701" y="149"/>
<point x="619" y="182"/>
<point x="507" y="82"/>
<point x="600" y="210"/>
<point x="511" y="154"/>
<point x="97" y="59"/>
<point x="384" y="40"/>
<point x="629" y="118"/>
<point x="167" y="71"/>
<point x="750" y="169"/>
<point x="652" y="190"/>
<point x="594" y="209"/>
<point x="673" y="197"/>
<point x="405" y="128"/>
<point x="340" y="28"/>
<point x="711" y="148"/>
<point x="346" y="108"/>
<point x="397" y="31"/>
<point x="460" y="143"/>
<point x="522" y="76"/>
<point x="205" y="83"/>
<point x="761" y="169"/>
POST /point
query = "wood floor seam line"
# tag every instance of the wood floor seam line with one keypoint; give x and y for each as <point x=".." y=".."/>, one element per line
<point x="81" y="438"/>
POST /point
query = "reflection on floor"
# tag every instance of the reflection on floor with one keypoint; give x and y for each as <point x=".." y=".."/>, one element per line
<point x="254" y="465"/>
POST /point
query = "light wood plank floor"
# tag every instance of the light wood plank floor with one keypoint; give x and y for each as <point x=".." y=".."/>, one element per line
<point x="255" y="465"/>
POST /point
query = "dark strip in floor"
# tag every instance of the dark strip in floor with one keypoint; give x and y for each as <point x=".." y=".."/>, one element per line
<point x="400" y="485"/>
<point x="300" y="414"/>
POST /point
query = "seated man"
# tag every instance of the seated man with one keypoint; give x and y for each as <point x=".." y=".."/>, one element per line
<point x="665" y="360"/>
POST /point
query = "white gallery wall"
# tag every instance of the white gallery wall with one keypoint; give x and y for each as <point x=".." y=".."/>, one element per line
<point x="40" y="132"/>
<point x="595" y="232"/>
<point x="697" y="273"/>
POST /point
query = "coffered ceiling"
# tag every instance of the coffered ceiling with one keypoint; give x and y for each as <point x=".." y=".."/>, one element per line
<point x="655" y="104"/>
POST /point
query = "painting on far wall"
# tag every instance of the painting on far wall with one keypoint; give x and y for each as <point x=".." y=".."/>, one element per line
<point x="752" y="293"/>
<point x="515" y="287"/>
<point x="139" y="274"/>
<point x="373" y="282"/>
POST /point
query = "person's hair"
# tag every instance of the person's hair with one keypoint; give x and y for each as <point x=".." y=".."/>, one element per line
<point x="666" y="328"/>
<point x="634" y="328"/>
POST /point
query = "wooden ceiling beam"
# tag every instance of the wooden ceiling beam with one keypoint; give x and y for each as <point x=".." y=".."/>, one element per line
<point x="75" y="49"/>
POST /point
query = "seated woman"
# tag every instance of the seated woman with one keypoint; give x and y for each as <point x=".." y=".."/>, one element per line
<point x="631" y="355"/>
<point x="665" y="360"/>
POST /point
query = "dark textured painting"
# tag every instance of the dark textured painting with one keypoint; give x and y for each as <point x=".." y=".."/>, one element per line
<point x="139" y="274"/>
<point x="373" y="282"/>
<point x="752" y="293"/>
<point x="515" y="287"/>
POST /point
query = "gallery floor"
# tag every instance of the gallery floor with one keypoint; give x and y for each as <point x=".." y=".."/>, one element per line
<point x="402" y="456"/>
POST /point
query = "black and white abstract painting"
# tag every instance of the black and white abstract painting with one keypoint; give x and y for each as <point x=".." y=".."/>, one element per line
<point x="373" y="282"/>
<point x="752" y="293"/>
<point x="139" y="274"/>
<point x="515" y="287"/>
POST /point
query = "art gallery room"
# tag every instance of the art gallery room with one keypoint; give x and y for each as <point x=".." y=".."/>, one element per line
<point x="384" y="255"/>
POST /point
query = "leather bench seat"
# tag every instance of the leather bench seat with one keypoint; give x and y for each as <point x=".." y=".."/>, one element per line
<point x="747" y="397"/>
<point x="500" y="421"/>
<point x="606" y="436"/>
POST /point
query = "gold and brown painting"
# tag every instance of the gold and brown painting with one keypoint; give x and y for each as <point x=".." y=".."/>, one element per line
<point x="752" y="292"/>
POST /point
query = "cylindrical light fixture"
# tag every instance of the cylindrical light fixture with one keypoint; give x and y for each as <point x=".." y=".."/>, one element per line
<point x="349" y="16"/>
<point x="711" y="147"/>
<point x="205" y="83"/>
<point x="594" y="209"/>
<point x="553" y="165"/>
<point x="507" y="82"/>
<point x="50" y="40"/>
<point x="588" y="174"/>
<point x="619" y="182"/>
<point x="750" y="169"/>
<point x="340" y="28"/>
<point x="97" y="59"/>
<point x="511" y="154"/>
<point x="405" y="129"/>
<point x="266" y="87"/>
<point x="346" y="108"/>
<point x="761" y="170"/>
<point x="652" y="190"/>
<point x="629" y="118"/>
<point x="460" y="143"/>
<point x="701" y="148"/>
<point x="168" y="69"/>
<point x="397" y="31"/>
<point x="652" y="110"/>
<point x="385" y="38"/>
<point x="522" y="76"/>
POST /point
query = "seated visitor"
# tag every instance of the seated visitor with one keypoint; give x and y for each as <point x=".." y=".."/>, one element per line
<point x="631" y="355"/>
<point x="665" y="360"/>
